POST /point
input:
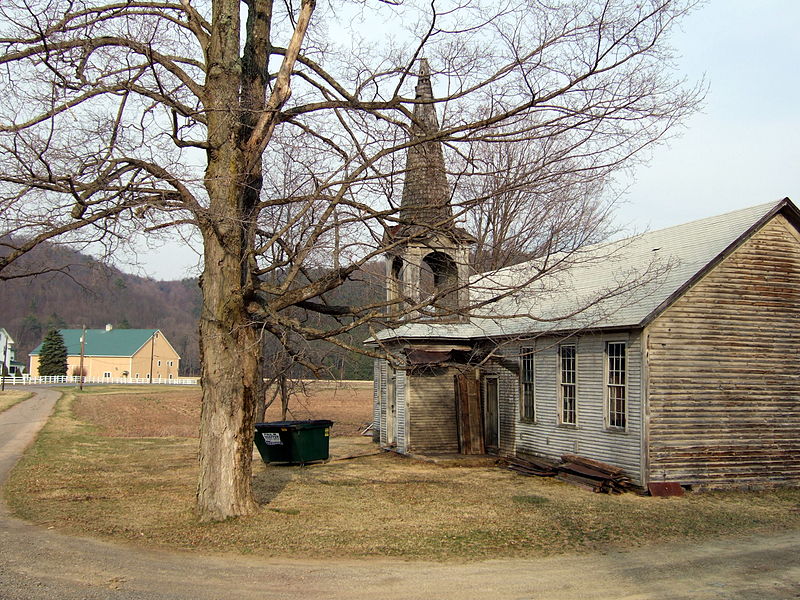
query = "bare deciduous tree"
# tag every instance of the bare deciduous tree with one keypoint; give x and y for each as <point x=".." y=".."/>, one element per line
<point x="278" y="132"/>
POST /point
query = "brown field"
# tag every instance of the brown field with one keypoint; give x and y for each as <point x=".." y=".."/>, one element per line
<point x="348" y="405"/>
<point x="83" y="476"/>
<point x="171" y="412"/>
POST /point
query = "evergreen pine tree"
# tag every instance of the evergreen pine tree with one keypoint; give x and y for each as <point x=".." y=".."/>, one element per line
<point x="53" y="355"/>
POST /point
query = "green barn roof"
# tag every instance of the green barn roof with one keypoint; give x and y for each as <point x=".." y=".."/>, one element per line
<point x="102" y="342"/>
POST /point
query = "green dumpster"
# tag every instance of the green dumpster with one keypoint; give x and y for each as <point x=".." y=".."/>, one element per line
<point x="293" y="441"/>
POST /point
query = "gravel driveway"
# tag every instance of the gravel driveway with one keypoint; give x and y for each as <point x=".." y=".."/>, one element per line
<point x="42" y="564"/>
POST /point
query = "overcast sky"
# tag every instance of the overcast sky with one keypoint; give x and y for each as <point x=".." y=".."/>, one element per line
<point x="741" y="150"/>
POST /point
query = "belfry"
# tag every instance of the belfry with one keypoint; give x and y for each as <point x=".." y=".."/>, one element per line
<point x="428" y="265"/>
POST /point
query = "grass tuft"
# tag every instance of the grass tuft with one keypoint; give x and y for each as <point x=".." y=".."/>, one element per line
<point x="286" y="511"/>
<point x="530" y="499"/>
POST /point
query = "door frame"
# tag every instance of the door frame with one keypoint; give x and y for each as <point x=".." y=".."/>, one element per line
<point x="491" y="444"/>
<point x="391" y="406"/>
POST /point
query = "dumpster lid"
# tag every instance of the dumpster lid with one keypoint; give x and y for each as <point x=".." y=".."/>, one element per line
<point x="295" y="424"/>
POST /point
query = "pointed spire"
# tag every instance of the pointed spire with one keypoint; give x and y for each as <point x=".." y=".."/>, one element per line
<point x="426" y="195"/>
<point x="424" y="88"/>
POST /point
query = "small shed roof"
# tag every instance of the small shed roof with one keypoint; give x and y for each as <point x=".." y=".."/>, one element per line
<point x="619" y="284"/>
<point x="103" y="342"/>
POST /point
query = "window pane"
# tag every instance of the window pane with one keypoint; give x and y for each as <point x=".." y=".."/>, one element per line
<point x="568" y="380"/>
<point x="615" y="385"/>
<point x="527" y="410"/>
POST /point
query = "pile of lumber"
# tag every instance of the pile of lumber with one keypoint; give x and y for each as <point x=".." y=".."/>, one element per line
<point x="585" y="472"/>
<point x="593" y="474"/>
<point x="532" y="466"/>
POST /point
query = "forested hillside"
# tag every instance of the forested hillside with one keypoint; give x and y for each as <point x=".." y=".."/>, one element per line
<point x="87" y="292"/>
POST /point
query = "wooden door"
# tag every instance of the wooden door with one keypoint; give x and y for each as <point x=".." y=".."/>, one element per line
<point x="469" y="415"/>
<point x="491" y="406"/>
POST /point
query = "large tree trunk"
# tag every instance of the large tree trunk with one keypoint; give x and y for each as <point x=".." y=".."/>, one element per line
<point x="230" y="347"/>
<point x="230" y="353"/>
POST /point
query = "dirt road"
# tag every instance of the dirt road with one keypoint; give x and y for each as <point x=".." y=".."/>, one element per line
<point x="40" y="564"/>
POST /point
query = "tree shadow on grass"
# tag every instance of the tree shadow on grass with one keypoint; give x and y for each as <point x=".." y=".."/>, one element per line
<point x="269" y="482"/>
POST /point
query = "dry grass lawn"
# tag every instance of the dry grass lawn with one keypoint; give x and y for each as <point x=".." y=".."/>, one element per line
<point x="83" y="476"/>
<point x="9" y="398"/>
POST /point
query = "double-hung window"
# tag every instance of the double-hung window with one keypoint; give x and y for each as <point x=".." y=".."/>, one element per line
<point x="568" y="384"/>
<point x="615" y="384"/>
<point x="527" y="407"/>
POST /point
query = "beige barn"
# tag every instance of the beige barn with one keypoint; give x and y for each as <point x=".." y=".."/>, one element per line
<point x="118" y="354"/>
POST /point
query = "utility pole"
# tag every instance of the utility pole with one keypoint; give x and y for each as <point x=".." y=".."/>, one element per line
<point x="152" y="350"/>
<point x="3" y="366"/>
<point x="80" y="368"/>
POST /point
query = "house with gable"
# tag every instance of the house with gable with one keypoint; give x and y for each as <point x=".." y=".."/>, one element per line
<point x="9" y="365"/>
<point x="138" y="354"/>
<point x="674" y="354"/>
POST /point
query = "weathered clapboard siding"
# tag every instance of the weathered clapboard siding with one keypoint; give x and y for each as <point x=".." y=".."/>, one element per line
<point x="377" y="427"/>
<point x="402" y="427"/>
<point x="381" y="367"/>
<point x="509" y="409"/>
<point x="431" y="411"/>
<point x="724" y="370"/>
<point x="508" y="396"/>
<point x="590" y="436"/>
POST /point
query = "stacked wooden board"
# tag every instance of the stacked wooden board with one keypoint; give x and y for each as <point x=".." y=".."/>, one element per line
<point x="593" y="474"/>
<point x="585" y="472"/>
<point x="531" y="466"/>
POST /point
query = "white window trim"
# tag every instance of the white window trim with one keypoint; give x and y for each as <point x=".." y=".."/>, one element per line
<point x="560" y="383"/>
<point x="524" y="351"/>
<point x="607" y="385"/>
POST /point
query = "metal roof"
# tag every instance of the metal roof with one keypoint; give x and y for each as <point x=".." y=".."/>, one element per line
<point x="620" y="284"/>
<point x="102" y="342"/>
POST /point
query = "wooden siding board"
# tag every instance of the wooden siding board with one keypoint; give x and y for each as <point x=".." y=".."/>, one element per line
<point x="725" y="373"/>
<point x="509" y="410"/>
<point x="402" y="427"/>
<point x="376" y="400"/>
<point x="590" y="438"/>
<point x="383" y="387"/>
<point x="431" y="412"/>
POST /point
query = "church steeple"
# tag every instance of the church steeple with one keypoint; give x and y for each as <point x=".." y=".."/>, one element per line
<point x="428" y="262"/>
<point x="426" y="195"/>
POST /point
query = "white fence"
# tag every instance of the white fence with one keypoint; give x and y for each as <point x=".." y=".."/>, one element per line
<point x="74" y="380"/>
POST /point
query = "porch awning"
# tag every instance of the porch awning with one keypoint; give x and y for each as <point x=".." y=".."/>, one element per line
<point x="428" y="357"/>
